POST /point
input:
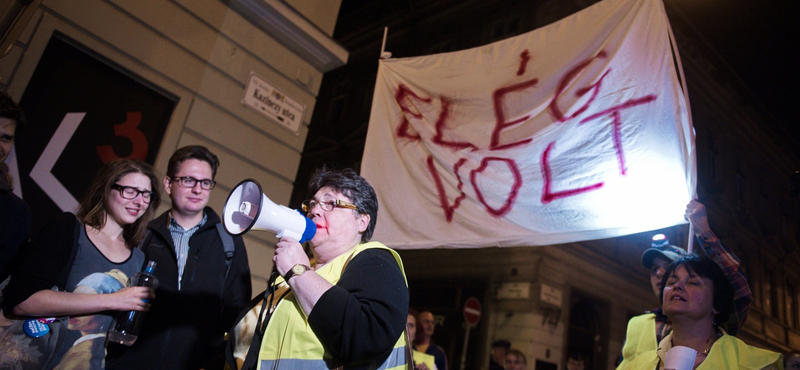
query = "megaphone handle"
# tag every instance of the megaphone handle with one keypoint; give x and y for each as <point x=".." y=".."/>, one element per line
<point x="290" y="234"/>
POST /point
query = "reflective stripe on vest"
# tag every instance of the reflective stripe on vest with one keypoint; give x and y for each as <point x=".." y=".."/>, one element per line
<point x="396" y="360"/>
<point x="290" y="343"/>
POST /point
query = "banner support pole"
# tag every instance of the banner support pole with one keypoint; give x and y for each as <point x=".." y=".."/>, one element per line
<point x="385" y="54"/>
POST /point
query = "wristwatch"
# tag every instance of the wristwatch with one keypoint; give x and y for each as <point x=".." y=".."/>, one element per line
<point x="297" y="269"/>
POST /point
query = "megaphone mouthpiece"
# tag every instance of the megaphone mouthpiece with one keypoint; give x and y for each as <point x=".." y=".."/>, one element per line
<point x="248" y="210"/>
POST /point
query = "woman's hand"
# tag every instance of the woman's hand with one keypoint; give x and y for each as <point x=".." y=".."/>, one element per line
<point x="289" y="252"/>
<point x="133" y="298"/>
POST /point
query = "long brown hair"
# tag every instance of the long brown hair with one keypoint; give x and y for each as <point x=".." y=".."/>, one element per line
<point x="92" y="210"/>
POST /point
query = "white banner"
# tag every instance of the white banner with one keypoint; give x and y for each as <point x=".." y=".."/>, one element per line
<point x="579" y="130"/>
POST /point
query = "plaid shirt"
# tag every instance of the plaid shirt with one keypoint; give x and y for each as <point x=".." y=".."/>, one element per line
<point x="663" y="327"/>
<point x="731" y="267"/>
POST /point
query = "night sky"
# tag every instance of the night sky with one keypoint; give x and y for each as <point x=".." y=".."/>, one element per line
<point x="760" y="40"/>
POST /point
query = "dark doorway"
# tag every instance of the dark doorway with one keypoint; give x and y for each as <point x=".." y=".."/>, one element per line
<point x="445" y="299"/>
<point x="587" y="333"/>
<point x="544" y="365"/>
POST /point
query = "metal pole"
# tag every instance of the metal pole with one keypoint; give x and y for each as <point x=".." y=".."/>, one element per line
<point x="466" y="341"/>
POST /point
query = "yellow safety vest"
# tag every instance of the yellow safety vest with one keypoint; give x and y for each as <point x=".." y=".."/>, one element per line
<point x="289" y="342"/>
<point x="727" y="353"/>
<point x="640" y="338"/>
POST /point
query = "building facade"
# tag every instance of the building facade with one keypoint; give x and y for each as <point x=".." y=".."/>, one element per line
<point x="200" y="54"/>
<point x="550" y="300"/>
<point x="545" y="300"/>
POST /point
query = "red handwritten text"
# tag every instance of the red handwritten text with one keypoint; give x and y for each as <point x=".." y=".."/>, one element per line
<point x="410" y="104"/>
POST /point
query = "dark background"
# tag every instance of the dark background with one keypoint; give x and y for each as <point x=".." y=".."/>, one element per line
<point x="760" y="40"/>
<point x="71" y="78"/>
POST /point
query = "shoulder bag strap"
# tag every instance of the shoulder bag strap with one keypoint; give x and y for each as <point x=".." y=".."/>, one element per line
<point x="227" y="245"/>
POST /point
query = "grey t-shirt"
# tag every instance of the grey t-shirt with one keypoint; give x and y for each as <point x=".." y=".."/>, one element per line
<point x="93" y="273"/>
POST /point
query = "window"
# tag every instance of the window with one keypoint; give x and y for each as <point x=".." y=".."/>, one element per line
<point x="774" y="307"/>
<point x="338" y="99"/>
<point x="712" y="159"/>
<point x="792" y="313"/>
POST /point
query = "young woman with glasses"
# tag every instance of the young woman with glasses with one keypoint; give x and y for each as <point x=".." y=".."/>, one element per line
<point x="110" y="224"/>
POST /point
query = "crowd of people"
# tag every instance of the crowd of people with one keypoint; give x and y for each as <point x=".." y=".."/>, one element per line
<point x="341" y="307"/>
<point x="338" y="304"/>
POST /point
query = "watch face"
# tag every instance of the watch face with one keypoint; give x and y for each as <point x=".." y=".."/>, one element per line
<point x="298" y="269"/>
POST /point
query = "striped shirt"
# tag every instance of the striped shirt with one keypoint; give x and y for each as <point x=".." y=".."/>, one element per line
<point x="180" y="237"/>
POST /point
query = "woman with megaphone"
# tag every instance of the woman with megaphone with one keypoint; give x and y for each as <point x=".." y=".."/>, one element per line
<point x="348" y="308"/>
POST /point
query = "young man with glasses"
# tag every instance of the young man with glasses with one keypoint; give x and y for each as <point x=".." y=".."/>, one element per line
<point x="201" y="288"/>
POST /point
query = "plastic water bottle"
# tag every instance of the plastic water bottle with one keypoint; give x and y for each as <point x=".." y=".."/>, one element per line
<point x="129" y="324"/>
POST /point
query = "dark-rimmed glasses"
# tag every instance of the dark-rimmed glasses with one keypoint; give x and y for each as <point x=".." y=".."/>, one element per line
<point x="326" y="205"/>
<point x="129" y="192"/>
<point x="190" y="182"/>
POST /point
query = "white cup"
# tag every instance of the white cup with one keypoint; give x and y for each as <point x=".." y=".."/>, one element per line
<point x="680" y="358"/>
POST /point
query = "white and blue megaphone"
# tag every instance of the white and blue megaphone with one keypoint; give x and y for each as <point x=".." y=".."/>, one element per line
<point x="247" y="208"/>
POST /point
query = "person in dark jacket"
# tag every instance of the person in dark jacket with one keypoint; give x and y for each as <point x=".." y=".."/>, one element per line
<point x="425" y="344"/>
<point x="200" y="291"/>
<point x="15" y="216"/>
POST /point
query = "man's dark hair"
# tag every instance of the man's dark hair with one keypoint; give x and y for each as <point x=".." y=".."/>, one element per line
<point x="11" y="110"/>
<point x="704" y="267"/>
<point x="192" y="152"/>
<point x="353" y="186"/>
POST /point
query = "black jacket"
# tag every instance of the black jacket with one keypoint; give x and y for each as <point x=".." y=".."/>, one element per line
<point x="185" y="329"/>
<point x="359" y="319"/>
<point x="15" y="227"/>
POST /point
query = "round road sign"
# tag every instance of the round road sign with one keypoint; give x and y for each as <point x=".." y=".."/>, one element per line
<point x="472" y="311"/>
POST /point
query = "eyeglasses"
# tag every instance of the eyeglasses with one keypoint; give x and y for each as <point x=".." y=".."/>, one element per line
<point x="129" y="192"/>
<point x="190" y="182"/>
<point x="327" y="205"/>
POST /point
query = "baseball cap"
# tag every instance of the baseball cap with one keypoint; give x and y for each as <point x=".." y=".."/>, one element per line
<point x="660" y="247"/>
